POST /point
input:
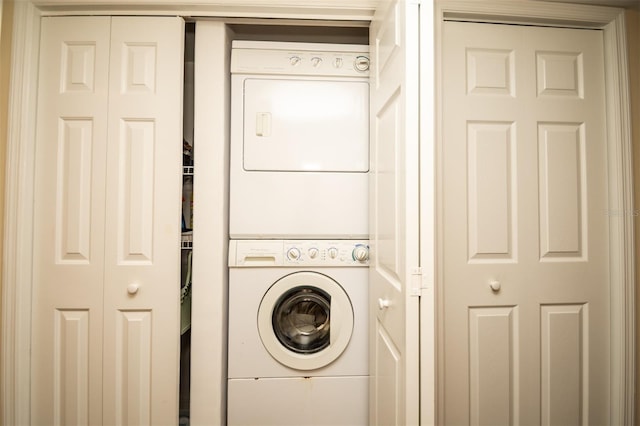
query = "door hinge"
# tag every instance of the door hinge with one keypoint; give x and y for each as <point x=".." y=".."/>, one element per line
<point x="418" y="282"/>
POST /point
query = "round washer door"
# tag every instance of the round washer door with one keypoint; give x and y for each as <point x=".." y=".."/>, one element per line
<point x="305" y="320"/>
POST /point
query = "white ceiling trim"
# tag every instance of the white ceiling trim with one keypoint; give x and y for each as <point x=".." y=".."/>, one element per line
<point x="628" y="4"/>
<point x="356" y="10"/>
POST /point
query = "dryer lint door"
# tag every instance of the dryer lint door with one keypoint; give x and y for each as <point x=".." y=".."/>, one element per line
<point x="306" y="125"/>
<point x="305" y="320"/>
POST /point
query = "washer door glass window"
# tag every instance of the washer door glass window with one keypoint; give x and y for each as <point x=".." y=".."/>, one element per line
<point x="305" y="320"/>
<point x="302" y="319"/>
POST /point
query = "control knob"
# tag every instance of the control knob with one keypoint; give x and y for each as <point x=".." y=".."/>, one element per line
<point x="293" y="254"/>
<point x="360" y="253"/>
<point x="361" y="63"/>
<point x="313" y="252"/>
<point x="315" y="61"/>
<point x="333" y="252"/>
<point x="295" y="60"/>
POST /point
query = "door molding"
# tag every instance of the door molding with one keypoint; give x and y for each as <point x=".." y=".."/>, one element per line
<point x="15" y="388"/>
<point x="620" y="168"/>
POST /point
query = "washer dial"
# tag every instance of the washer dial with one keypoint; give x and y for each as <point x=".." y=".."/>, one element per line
<point x="360" y="253"/>
<point x="313" y="252"/>
<point x="333" y="252"/>
<point x="293" y="254"/>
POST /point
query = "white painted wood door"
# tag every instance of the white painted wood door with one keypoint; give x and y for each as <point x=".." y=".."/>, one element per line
<point x="525" y="263"/>
<point x="106" y="267"/>
<point x="394" y="353"/>
<point x="69" y="214"/>
<point x="144" y="189"/>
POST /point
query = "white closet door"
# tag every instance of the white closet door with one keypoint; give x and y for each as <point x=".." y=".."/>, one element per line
<point x="107" y="219"/>
<point x="68" y="262"/>
<point x="525" y="231"/>
<point x="142" y="250"/>
<point x="393" y="202"/>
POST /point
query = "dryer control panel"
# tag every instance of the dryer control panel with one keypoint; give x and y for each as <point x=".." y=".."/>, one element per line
<point x="297" y="253"/>
<point x="317" y="59"/>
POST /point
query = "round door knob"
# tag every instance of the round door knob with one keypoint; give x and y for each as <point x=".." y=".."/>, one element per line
<point x="495" y="285"/>
<point x="383" y="304"/>
<point x="133" y="288"/>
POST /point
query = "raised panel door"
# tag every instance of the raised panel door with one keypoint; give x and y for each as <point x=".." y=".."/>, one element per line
<point x="69" y="208"/>
<point x="525" y="233"/>
<point x="142" y="250"/>
<point x="393" y="224"/>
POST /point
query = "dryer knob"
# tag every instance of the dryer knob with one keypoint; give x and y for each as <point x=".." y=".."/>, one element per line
<point x="361" y="64"/>
<point x="316" y="61"/>
<point x="295" y="60"/>
<point x="360" y="253"/>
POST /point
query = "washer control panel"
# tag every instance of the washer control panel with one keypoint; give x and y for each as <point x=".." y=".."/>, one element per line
<point x="316" y="253"/>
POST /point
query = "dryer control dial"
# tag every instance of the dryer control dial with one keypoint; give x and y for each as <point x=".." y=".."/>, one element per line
<point x="295" y="60"/>
<point x="361" y="63"/>
<point x="316" y="61"/>
<point x="360" y="253"/>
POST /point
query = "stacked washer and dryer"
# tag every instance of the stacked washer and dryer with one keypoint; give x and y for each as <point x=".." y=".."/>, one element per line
<point x="298" y="254"/>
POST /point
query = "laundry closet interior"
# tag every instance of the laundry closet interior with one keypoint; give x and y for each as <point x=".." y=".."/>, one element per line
<point x="298" y="149"/>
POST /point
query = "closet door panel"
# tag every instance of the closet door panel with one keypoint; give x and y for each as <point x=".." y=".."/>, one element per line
<point x="68" y="258"/>
<point x="144" y="187"/>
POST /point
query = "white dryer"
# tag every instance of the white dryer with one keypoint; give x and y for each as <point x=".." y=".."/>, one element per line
<point x="298" y="339"/>
<point x="299" y="140"/>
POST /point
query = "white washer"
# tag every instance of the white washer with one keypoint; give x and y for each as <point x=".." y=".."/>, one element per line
<point x="299" y="140"/>
<point x="298" y="335"/>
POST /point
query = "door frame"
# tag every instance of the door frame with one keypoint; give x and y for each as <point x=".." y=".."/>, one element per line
<point x="620" y="168"/>
<point x="16" y="270"/>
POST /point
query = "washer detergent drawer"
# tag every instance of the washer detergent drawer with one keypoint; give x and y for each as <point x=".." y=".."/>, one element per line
<point x="306" y="125"/>
<point x="299" y="401"/>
